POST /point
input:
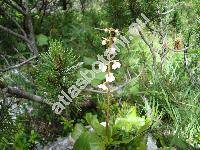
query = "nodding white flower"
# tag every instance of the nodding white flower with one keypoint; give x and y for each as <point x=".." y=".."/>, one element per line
<point x="111" y="50"/>
<point x="106" y="30"/>
<point x="110" y="77"/>
<point x="102" y="67"/>
<point x="102" y="86"/>
<point x="114" y="39"/>
<point x="104" y="42"/>
<point x="116" y="65"/>
<point x="117" y="31"/>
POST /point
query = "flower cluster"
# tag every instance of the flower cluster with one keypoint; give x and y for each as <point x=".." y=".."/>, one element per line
<point x="110" y="51"/>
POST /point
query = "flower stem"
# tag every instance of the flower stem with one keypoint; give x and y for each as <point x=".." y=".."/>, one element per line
<point x="108" y="91"/>
<point x="108" y="107"/>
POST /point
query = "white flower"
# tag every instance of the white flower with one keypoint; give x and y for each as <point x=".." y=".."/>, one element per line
<point x="114" y="39"/>
<point x="116" y="65"/>
<point x="111" y="50"/>
<point x="117" y="32"/>
<point x="102" y="67"/>
<point x="104" y="42"/>
<point x="106" y="30"/>
<point x="110" y="77"/>
<point x="102" y="86"/>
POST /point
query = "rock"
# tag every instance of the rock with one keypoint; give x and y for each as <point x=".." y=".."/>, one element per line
<point x="66" y="143"/>
<point x="61" y="144"/>
<point x="151" y="143"/>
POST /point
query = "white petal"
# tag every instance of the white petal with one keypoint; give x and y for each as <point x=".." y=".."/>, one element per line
<point x="114" y="39"/>
<point x="117" y="32"/>
<point x="103" y="42"/>
<point x="110" y="77"/>
<point x="116" y="65"/>
<point x="106" y="30"/>
<point x="102" y="86"/>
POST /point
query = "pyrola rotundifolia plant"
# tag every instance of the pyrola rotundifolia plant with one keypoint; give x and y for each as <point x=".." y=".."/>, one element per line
<point x="108" y="68"/>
